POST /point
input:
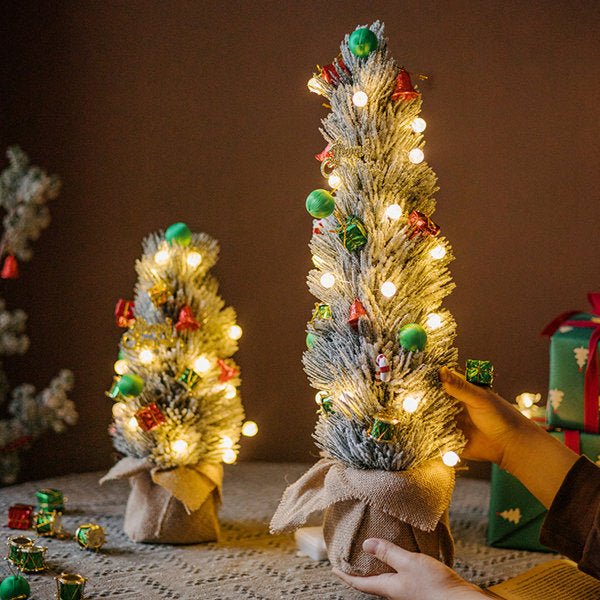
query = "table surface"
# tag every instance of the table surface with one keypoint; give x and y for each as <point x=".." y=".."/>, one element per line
<point x="247" y="562"/>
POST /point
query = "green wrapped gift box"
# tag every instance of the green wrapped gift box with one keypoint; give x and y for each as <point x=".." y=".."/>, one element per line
<point x="569" y="350"/>
<point x="515" y="516"/>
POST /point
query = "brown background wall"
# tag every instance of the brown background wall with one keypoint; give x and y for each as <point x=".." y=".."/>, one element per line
<point x="154" y="112"/>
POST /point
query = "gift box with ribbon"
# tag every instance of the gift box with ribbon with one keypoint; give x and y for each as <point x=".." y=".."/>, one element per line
<point x="515" y="515"/>
<point x="574" y="377"/>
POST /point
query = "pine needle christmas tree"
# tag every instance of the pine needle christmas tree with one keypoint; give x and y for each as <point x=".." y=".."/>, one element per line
<point x="177" y="412"/>
<point x="378" y="334"/>
<point x="24" y="193"/>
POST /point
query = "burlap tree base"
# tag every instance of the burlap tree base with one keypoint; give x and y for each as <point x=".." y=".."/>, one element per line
<point x="175" y="506"/>
<point x="408" y="508"/>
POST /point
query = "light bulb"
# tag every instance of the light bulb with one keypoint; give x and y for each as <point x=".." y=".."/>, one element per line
<point x="418" y="125"/>
<point x="179" y="446"/>
<point x="235" y="332"/>
<point x="360" y="99"/>
<point x="334" y="180"/>
<point x="226" y="442"/>
<point x="193" y="259"/>
<point x="201" y="364"/>
<point x="528" y="400"/>
<point x="229" y="456"/>
<point x="434" y="321"/>
<point x="388" y="289"/>
<point x="119" y="409"/>
<point x="162" y="257"/>
<point x="249" y="429"/>
<point x="132" y="424"/>
<point x="450" y="458"/>
<point x="416" y="156"/>
<point x="410" y="404"/>
<point x="146" y="356"/>
<point x="320" y="396"/>
<point x="327" y="280"/>
<point x="438" y="252"/>
<point x="393" y="211"/>
<point x="121" y="367"/>
<point x="230" y="391"/>
<point x="313" y="85"/>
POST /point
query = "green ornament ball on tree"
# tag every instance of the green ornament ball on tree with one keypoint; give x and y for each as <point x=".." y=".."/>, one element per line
<point x="130" y="385"/>
<point x="15" y="586"/>
<point x="310" y="340"/>
<point x="412" y="337"/>
<point x="362" y="42"/>
<point x="320" y="204"/>
<point x="180" y="233"/>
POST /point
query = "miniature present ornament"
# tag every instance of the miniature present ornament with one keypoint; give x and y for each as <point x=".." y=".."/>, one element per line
<point x="20" y="516"/>
<point x="149" y="417"/>
<point x="480" y="372"/>
<point x="352" y="233"/>
<point x="50" y="500"/>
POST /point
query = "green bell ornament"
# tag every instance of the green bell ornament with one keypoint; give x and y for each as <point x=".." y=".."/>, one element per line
<point x="15" y="587"/>
<point x="362" y="42"/>
<point x="412" y="337"/>
<point x="320" y="204"/>
<point x="130" y="385"/>
<point x="180" y="233"/>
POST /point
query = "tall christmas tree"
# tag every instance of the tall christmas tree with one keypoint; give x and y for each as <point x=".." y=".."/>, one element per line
<point x="378" y="334"/>
<point x="24" y="193"/>
<point x="177" y="411"/>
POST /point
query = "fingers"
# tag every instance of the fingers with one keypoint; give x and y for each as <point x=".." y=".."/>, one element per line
<point x="456" y="385"/>
<point x="388" y="553"/>
<point x="379" y="585"/>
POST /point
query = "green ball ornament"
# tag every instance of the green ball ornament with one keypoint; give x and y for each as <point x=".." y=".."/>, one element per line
<point x="310" y="340"/>
<point x="412" y="337"/>
<point x="15" y="586"/>
<point x="362" y="42"/>
<point x="320" y="204"/>
<point x="180" y="233"/>
<point x="130" y="385"/>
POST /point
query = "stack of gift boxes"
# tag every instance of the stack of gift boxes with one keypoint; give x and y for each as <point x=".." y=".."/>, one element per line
<point x="572" y="416"/>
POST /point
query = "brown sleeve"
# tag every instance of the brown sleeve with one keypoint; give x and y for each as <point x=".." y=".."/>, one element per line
<point x="572" y="526"/>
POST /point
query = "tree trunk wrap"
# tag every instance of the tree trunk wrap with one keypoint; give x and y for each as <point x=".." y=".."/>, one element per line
<point x="408" y="508"/>
<point x="174" y="506"/>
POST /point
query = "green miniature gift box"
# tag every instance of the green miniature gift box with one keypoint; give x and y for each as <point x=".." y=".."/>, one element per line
<point x="515" y="516"/>
<point x="50" y="500"/>
<point x="574" y="378"/>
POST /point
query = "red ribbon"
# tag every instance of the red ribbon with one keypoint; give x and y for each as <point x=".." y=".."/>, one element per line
<point x="592" y="385"/>
<point x="572" y="440"/>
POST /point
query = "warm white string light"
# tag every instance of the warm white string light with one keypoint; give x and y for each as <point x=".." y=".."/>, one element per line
<point x="434" y="321"/>
<point x="438" y="252"/>
<point x="410" y="404"/>
<point x="193" y="259"/>
<point x="235" y="332"/>
<point x="226" y="442"/>
<point x="162" y="257"/>
<point x="121" y="366"/>
<point x="229" y="456"/>
<point x="201" y="364"/>
<point x="119" y="409"/>
<point x="334" y="180"/>
<point x="313" y="85"/>
<point x="388" y="289"/>
<point x="249" y="429"/>
<point x="327" y="280"/>
<point x="450" y="458"/>
<point x="393" y="211"/>
<point x="132" y="424"/>
<point x="179" y="447"/>
<point x="360" y="99"/>
<point x="146" y="356"/>
<point x="418" y="125"/>
<point x="416" y="156"/>
<point x="230" y="391"/>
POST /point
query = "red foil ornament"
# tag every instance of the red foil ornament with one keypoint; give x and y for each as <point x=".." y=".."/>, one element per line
<point x="227" y="371"/>
<point x="357" y="310"/>
<point x="10" y="269"/>
<point x="404" y="89"/>
<point x="20" y="516"/>
<point x="124" y="313"/>
<point x="149" y="417"/>
<point x="332" y="73"/>
<point x="422" y="225"/>
<point x="326" y="154"/>
<point x="186" y="321"/>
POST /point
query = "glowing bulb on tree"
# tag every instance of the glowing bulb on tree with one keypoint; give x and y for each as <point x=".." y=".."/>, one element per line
<point x="229" y="456"/>
<point x="388" y="289"/>
<point x="249" y="429"/>
<point x="360" y="99"/>
<point x="146" y="356"/>
<point x="230" y="391"/>
<point x="193" y="259"/>
<point x="121" y="367"/>
<point x="132" y="424"/>
<point x="226" y="442"/>
<point x="418" y="125"/>
<point x="334" y="180"/>
<point x="162" y="257"/>
<point x="450" y="458"/>
<point x="327" y="280"/>
<point x="434" y="321"/>
<point x="410" y="404"/>
<point x="119" y="409"/>
<point x="320" y="396"/>
<point x="313" y="85"/>
<point x="235" y="332"/>
<point x="201" y="364"/>
<point x="416" y="156"/>
<point x="179" y="447"/>
<point x="393" y="211"/>
<point x="438" y="252"/>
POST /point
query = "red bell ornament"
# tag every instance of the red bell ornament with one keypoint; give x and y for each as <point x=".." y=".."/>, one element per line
<point x="186" y="321"/>
<point x="357" y="310"/>
<point x="404" y="88"/>
<point x="227" y="372"/>
<point x="10" y="269"/>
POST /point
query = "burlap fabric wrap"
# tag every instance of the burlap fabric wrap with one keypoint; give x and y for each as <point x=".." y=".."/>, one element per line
<point x="409" y="508"/>
<point x="174" y="506"/>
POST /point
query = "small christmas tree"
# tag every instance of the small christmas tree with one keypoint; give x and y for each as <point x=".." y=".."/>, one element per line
<point x="24" y="193"/>
<point x="177" y="412"/>
<point x="379" y="334"/>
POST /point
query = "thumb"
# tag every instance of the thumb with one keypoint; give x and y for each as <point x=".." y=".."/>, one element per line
<point x="386" y="552"/>
<point x="456" y="385"/>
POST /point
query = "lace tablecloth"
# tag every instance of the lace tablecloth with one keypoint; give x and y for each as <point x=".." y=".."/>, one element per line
<point x="248" y="562"/>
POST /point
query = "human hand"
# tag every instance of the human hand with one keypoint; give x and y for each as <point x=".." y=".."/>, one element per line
<point x="494" y="428"/>
<point x="417" y="577"/>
